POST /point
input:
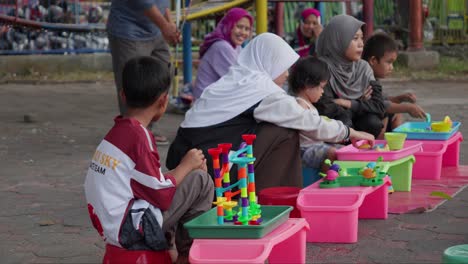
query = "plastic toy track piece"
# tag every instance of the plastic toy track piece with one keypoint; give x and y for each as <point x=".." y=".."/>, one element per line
<point x="225" y="147"/>
<point x="214" y="152"/>
<point x="249" y="138"/>
<point x="428" y="118"/>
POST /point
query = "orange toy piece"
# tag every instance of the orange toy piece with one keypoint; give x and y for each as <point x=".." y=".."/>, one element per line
<point x="368" y="173"/>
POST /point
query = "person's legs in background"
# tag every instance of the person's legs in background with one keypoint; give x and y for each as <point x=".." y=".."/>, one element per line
<point x="123" y="50"/>
<point x="160" y="52"/>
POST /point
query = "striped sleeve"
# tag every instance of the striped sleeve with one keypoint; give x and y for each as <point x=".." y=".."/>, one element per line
<point x="147" y="180"/>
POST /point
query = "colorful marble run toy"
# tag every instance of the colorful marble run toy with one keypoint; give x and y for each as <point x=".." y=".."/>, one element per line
<point x="249" y="211"/>
<point x="370" y="175"/>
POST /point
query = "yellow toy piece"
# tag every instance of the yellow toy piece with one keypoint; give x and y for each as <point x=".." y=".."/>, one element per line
<point x="447" y="120"/>
<point x="220" y="200"/>
<point x="229" y="205"/>
<point x="365" y="146"/>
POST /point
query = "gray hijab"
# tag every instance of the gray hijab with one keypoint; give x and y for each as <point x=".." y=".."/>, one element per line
<point x="348" y="79"/>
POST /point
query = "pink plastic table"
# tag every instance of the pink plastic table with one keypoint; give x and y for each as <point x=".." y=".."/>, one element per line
<point x="285" y="244"/>
<point x="333" y="213"/>
<point x="435" y="155"/>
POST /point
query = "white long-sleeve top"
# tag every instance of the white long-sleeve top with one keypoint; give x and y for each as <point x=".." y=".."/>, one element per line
<point x="282" y="110"/>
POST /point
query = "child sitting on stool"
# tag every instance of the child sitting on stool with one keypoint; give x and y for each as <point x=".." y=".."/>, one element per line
<point x="131" y="202"/>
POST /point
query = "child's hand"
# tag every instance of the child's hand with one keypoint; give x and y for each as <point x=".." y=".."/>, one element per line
<point x="194" y="159"/>
<point x="360" y="135"/>
<point x="416" y="111"/>
<point x="203" y="166"/>
<point x="406" y="97"/>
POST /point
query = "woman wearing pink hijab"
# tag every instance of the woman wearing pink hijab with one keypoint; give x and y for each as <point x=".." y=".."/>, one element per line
<point x="306" y="34"/>
<point x="221" y="47"/>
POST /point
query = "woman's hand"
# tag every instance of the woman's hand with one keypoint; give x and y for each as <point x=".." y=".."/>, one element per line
<point x="367" y="93"/>
<point x="343" y="102"/>
<point x="317" y="30"/>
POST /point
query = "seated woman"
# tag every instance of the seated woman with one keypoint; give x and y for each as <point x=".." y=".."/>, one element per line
<point x="352" y="94"/>
<point x="220" y="48"/>
<point x="249" y="99"/>
<point x="303" y="39"/>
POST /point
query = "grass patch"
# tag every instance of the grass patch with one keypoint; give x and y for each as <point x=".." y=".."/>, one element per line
<point x="75" y="76"/>
<point x="449" y="68"/>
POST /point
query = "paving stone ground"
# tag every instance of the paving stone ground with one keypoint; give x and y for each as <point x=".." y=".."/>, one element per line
<point x="43" y="217"/>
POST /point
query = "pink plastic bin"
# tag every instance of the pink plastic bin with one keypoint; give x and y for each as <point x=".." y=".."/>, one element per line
<point x="333" y="213"/>
<point x="328" y="212"/>
<point x="429" y="160"/>
<point x="285" y="244"/>
<point x="351" y="153"/>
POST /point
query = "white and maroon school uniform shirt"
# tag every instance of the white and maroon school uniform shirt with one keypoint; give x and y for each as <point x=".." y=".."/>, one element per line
<point x="125" y="176"/>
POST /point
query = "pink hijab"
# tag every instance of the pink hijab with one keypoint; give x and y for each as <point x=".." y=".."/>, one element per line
<point x="224" y="28"/>
<point x="305" y="14"/>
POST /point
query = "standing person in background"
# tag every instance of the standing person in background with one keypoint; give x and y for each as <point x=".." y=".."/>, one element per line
<point x="303" y="40"/>
<point x="139" y="28"/>
<point x="221" y="47"/>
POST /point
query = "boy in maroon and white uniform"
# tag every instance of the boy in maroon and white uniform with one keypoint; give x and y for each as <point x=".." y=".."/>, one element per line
<point x="131" y="202"/>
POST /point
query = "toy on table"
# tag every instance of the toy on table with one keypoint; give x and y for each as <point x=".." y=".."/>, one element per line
<point x="376" y="147"/>
<point x="438" y="126"/>
<point x="370" y="175"/>
<point x="249" y="211"/>
<point x="428" y="117"/>
<point x="444" y="126"/>
<point x="395" y="141"/>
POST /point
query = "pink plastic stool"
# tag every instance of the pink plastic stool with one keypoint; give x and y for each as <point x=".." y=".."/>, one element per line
<point x="285" y="244"/>
<point x="281" y="196"/>
<point x="117" y="255"/>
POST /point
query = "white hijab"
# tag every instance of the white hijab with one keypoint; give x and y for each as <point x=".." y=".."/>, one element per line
<point x="247" y="82"/>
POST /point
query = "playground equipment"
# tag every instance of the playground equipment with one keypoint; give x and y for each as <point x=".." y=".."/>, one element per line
<point x="249" y="210"/>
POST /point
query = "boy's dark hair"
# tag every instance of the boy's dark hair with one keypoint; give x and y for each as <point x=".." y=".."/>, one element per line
<point x="377" y="45"/>
<point x="144" y="80"/>
<point x="308" y="71"/>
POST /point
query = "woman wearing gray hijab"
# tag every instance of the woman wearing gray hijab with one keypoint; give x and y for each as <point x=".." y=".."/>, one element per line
<point x="352" y="94"/>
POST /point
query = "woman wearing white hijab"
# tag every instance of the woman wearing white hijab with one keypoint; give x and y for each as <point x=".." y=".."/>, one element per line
<point x="249" y="99"/>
